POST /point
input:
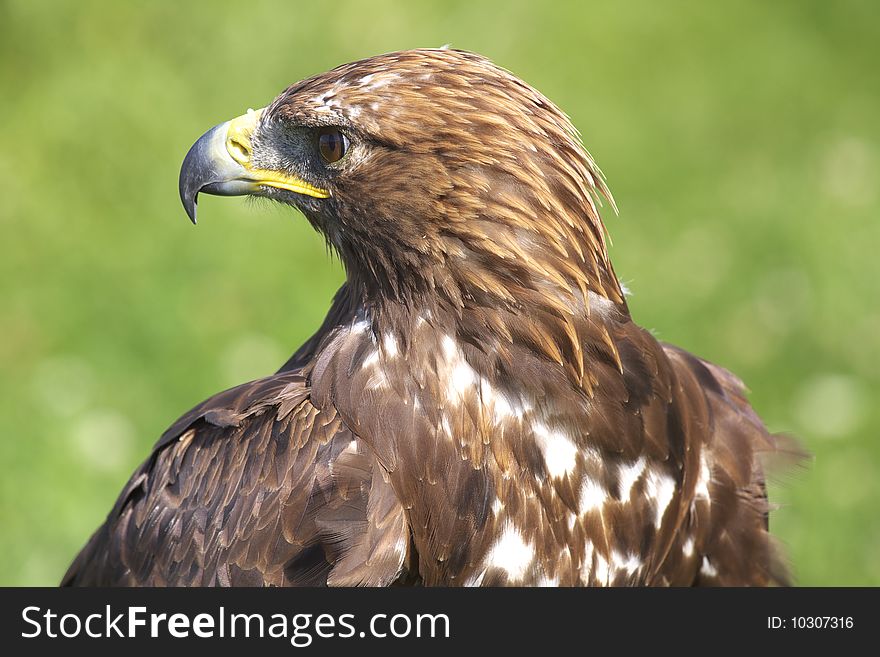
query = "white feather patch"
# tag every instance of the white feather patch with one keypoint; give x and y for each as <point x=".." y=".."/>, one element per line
<point x="602" y="572"/>
<point x="629" y="563"/>
<point x="600" y="305"/>
<point x="707" y="568"/>
<point x="511" y="553"/>
<point x="390" y="344"/>
<point x="462" y="380"/>
<point x="593" y="496"/>
<point x="628" y="475"/>
<point x="371" y="360"/>
<point x="702" y="489"/>
<point x="659" y="487"/>
<point x="687" y="547"/>
<point x="587" y="564"/>
<point x="560" y="453"/>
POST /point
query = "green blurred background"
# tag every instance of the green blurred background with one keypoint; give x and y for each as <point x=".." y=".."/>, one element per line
<point x="741" y="140"/>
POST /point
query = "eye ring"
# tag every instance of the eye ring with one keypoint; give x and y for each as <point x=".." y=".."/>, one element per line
<point x="333" y="144"/>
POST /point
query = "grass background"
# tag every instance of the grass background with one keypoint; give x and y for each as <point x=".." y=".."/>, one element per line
<point x="741" y="140"/>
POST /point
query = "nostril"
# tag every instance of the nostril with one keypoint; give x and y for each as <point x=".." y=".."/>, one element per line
<point x="239" y="151"/>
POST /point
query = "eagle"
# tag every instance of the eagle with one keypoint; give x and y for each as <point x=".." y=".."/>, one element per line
<point x="478" y="408"/>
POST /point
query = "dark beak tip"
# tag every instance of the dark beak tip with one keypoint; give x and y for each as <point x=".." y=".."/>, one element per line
<point x="209" y="169"/>
<point x="196" y="171"/>
<point x="191" y="206"/>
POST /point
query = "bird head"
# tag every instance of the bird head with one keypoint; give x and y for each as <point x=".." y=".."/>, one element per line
<point x="428" y="171"/>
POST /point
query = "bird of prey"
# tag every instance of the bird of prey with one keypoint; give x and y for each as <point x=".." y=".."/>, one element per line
<point x="478" y="408"/>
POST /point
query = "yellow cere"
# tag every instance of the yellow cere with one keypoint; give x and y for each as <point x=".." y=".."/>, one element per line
<point x="238" y="135"/>
<point x="238" y="144"/>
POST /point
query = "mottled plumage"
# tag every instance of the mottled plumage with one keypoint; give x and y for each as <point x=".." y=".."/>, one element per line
<point x="478" y="407"/>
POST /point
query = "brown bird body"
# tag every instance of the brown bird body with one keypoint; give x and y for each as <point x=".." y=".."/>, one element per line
<point x="478" y="408"/>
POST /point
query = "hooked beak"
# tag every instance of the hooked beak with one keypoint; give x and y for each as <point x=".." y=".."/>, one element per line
<point x="220" y="163"/>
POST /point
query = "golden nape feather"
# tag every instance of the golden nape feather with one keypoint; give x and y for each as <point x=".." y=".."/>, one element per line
<point x="478" y="407"/>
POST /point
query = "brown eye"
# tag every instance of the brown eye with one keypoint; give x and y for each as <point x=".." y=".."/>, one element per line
<point x="332" y="144"/>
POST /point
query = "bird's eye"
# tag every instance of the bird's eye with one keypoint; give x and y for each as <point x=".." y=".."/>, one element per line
<point x="332" y="144"/>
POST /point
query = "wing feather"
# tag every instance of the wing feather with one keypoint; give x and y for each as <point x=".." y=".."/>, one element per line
<point x="256" y="486"/>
